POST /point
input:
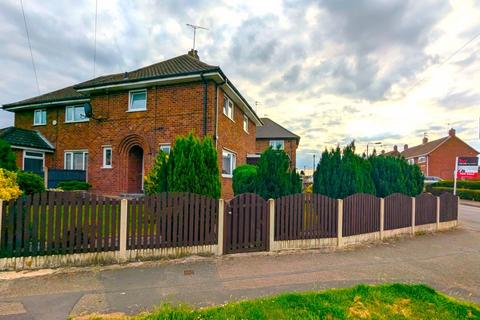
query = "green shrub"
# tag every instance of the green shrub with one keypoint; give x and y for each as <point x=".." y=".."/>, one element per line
<point x="7" y="157"/>
<point x="467" y="194"/>
<point x="273" y="175"/>
<point x="74" y="185"/>
<point x="30" y="182"/>
<point x="191" y="166"/>
<point x="244" y="179"/>
<point x="463" y="184"/>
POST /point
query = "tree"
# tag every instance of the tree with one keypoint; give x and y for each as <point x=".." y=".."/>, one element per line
<point x="295" y="182"/>
<point x="273" y="177"/>
<point x="244" y="179"/>
<point x="7" y="157"/>
<point x="191" y="166"/>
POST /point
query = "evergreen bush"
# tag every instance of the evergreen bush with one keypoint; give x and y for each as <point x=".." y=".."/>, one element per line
<point x="30" y="182"/>
<point x="244" y="179"/>
<point x="7" y="157"/>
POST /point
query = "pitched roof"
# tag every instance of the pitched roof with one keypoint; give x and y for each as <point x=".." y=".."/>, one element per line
<point x="181" y="65"/>
<point x="25" y="138"/>
<point x="272" y="130"/>
<point x="423" y="149"/>
<point x="65" y="94"/>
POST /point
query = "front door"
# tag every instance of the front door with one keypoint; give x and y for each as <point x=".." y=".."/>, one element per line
<point x="135" y="170"/>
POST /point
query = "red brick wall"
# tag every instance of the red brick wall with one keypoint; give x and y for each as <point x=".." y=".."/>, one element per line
<point x="441" y="162"/>
<point x="171" y="111"/>
<point x="290" y="148"/>
<point x="232" y="137"/>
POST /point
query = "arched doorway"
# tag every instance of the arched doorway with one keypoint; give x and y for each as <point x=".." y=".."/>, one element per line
<point x="135" y="170"/>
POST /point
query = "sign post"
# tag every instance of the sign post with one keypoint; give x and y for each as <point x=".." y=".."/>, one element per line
<point x="466" y="168"/>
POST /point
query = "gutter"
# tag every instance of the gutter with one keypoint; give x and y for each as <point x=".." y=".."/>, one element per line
<point x="205" y="93"/>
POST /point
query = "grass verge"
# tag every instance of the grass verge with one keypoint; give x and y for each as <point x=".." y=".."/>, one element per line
<point x="389" y="301"/>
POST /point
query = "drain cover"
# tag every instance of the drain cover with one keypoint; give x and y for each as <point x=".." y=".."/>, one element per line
<point x="188" y="272"/>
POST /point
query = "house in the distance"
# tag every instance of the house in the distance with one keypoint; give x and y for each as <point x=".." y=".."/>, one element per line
<point x="135" y="114"/>
<point x="271" y="134"/>
<point x="437" y="157"/>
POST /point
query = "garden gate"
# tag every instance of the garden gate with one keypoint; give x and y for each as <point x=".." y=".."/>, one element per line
<point x="246" y="224"/>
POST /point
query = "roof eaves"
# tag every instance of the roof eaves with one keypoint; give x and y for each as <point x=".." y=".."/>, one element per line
<point x="16" y="105"/>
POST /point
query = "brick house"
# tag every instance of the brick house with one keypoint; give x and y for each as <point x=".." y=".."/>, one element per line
<point x="437" y="157"/>
<point x="271" y="134"/>
<point x="136" y="114"/>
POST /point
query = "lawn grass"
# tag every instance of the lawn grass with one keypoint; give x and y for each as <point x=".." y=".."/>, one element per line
<point x="389" y="301"/>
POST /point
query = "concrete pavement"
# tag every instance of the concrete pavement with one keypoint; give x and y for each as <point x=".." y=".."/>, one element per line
<point x="448" y="261"/>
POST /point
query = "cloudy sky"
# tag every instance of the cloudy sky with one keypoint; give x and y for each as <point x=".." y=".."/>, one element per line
<point x="331" y="71"/>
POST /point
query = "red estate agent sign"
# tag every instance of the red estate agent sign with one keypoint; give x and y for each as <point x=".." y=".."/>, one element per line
<point x="467" y="167"/>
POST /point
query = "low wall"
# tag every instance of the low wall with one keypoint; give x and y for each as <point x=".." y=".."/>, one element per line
<point x="303" y="244"/>
<point x="106" y="257"/>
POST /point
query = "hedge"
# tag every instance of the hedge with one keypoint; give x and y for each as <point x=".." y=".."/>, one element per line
<point x="74" y="185"/>
<point x="467" y="194"/>
<point x="462" y="184"/>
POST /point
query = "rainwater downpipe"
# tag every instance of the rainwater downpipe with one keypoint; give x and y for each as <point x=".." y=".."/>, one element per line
<point x="217" y="85"/>
<point x="205" y="92"/>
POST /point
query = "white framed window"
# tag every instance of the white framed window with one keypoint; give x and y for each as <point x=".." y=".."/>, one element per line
<point x="137" y="100"/>
<point x="422" y="159"/>
<point x="40" y="117"/>
<point x="75" y="114"/>
<point x="107" y="157"/>
<point x="229" y="163"/>
<point x="165" y="147"/>
<point x="411" y="161"/>
<point x="76" y="160"/>
<point x="277" y="144"/>
<point x="33" y="161"/>
<point x="228" y="107"/>
<point x="245" y="123"/>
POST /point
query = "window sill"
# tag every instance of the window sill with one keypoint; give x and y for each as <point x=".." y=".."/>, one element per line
<point x="39" y="125"/>
<point x="139" y="110"/>
<point x="229" y="176"/>
<point x="80" y="121"/>
<point x="109" y="167"/>
<point x="228" y="117"/>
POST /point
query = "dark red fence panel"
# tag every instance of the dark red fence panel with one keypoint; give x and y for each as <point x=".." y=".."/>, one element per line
<point x="305" y="216"/>
<point x="448" y="207"/>
<point x="425" y="209"/>
<point x="246" y="224"/>
<point x="59" y="223"/>
<point x="361" y="214"/>
<point x="398" y="211"/>
<point x="174" y="219"/>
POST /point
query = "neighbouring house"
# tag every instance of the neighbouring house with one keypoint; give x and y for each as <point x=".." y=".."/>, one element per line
<point x="437" y="157"/>
<point x="271" y="134"/>
<point x="134" y="115"/>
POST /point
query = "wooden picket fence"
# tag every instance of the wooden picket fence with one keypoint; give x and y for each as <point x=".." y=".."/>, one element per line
<point x="59" y="223"/>
<point x="69" y="222"/>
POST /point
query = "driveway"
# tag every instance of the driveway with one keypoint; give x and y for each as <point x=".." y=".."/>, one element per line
<point x="448" y="261"/>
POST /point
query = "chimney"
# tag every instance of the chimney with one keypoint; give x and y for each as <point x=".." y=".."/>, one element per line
<point x="451" y="132"/>
<point x="194" y="54"/>
<point x="395" y="148"/>
<point x="405" y="147"/>
<point x="424" y="140"/>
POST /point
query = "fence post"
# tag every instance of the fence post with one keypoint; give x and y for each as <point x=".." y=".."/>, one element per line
<point x="1" y="215"/>
<point x="221" y="216"/>
<point x="340" y="223"/>
<point x="382" y="217"/>
<point x="438" y="214"/>
<point x="123" y="228"/>
<point x="271" y="230"/>
<point x="45" y="177"/>
<point x="413" y="215"/>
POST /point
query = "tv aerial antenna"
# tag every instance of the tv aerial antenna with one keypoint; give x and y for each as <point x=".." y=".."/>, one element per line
<point x="195" y="27"/>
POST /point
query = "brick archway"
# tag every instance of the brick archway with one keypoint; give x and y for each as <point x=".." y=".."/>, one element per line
<point x="132" y="162"/>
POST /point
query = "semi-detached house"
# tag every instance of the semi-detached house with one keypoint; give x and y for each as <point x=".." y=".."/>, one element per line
<point x="135" y="114"/>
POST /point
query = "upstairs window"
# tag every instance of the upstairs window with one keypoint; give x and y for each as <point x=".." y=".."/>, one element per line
<point x="229" y="162"/>
<point x="245" y="123"/>
<point x="107" y="157"/>
<point x="40" y="117"/>
<point x="137" y="100"/>
<point x="277" y="144"/>
<point x="75" y="114"/>
<point x="228" y="107"/>
<point x="422" y="159"/>
<point x="411" y="161"/>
